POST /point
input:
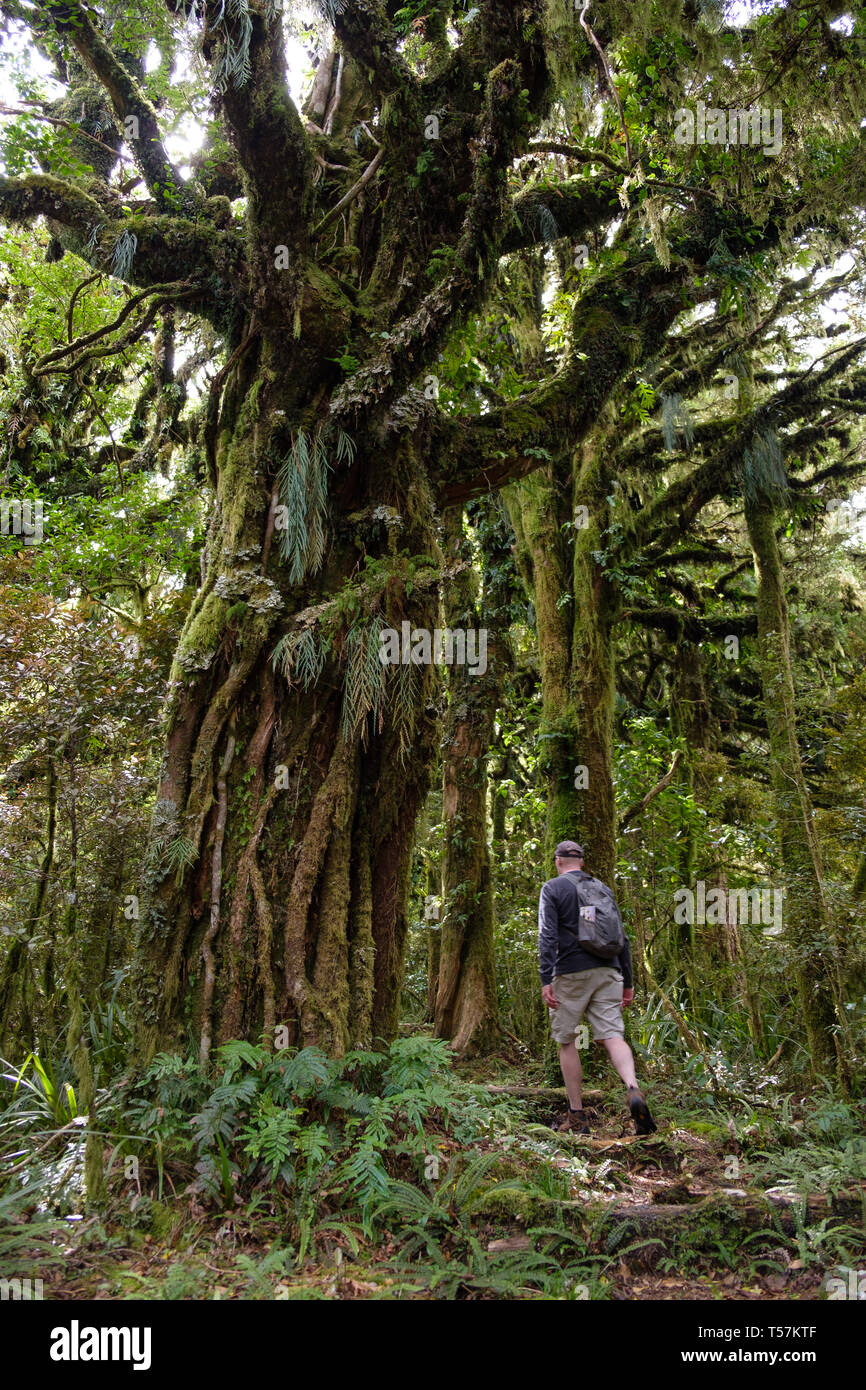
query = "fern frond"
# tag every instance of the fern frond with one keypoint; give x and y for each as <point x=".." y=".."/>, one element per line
<point x="346" y="448"/>
<point x="179" y="855"/>
<point x="234" y="63"/>
<point x="124" y="251"/>
<point x="309" y="658"/>
<point x="303" y="491"/>
<point x="283" y="654"/>
<point x="403" y="703"/>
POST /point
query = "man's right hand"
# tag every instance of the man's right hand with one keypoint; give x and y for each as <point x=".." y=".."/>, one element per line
<point x="549" y="997"/>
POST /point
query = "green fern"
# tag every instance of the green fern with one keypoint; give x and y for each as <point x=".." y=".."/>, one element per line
<point x="403" y="702"/>
<point x="233" y="19"/>
<point x="309" y="659"/>
<point x="303" y="490"/>
<point x="364" y="690"/>
<point x="178" y="856"/>
<point x="124" y="252"/>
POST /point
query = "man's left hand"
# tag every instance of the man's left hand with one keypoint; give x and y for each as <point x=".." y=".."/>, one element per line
<point x="627" y="997"/>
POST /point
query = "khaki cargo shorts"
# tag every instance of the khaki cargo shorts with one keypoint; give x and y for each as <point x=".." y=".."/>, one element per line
<point x="595" y="994"/>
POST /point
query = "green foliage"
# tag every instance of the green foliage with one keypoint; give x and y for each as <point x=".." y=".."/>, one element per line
<point x="179" y="855"/>
<point x="366" y="677"/>
<point x="328" y="1134"/>
<point x="303" y="492"/>
<point x="124" y="252"/>
<point x="47" y="1095"/>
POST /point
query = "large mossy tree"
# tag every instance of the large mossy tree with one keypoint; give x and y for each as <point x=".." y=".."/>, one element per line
<point x="335" y="251"/>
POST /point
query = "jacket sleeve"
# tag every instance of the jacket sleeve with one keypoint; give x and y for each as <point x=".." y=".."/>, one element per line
<point x="548" y="934"/>
<point x="624" y="959"/>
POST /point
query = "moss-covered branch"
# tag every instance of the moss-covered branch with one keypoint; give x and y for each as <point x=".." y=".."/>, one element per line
<point x="130" y="103"/>
<point x="166" y="249"/>
<point x="264" y="126"/>
<point x="573" y="208"/>
<point x="417" y="339"/>
<point x="366" y="33"/>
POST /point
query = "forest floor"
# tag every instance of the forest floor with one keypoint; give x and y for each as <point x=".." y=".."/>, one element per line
<point x="728" y="1200"/>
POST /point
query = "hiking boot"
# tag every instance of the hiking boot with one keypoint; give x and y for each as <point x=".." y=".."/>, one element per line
<point x="640" y="1112"/>
<point x="574" y="1121"/>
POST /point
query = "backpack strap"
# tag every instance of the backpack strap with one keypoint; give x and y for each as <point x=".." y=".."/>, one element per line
<point x="573" y="882"/>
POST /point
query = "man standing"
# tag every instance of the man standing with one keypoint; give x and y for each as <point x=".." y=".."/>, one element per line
<point x="575" y="982"/>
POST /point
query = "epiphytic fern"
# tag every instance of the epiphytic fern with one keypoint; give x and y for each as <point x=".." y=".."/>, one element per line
<point x="364" y="690"/>
<point x="178" y="856"/>
<point x="293" y="491"/>
<point x="300" y="657"/>
<point x="309" y="658"/>
<point x="345" y="447"/>
<point x="124" y="251"/>
<point x="332" y="8"/>
<point x="233" y="66"/>
<point x="403" y="702"/>
<point x="282" y="657"/>
<point x="303" y="491"/>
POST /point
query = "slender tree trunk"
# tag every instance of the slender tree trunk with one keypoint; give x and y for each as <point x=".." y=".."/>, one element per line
<point x="808" y="928"/>
<point x="16" y="979"/>
<point x="537" y="508"/>
<point x="690" y="719"/>
<point x="77" y="1041"/>
<point x="575" y="609"/>
<point x="466" y="1008"/>
<point x="593" y="670"/>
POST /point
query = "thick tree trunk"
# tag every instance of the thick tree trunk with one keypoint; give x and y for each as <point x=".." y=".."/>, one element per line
<point x="275" y="891"/>
<point x="808" y="927"/>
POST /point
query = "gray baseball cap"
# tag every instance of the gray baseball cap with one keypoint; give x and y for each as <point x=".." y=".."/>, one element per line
<point x="568" y="849"/>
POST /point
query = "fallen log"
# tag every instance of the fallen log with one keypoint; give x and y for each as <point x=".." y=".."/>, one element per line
<point x="555" y="1095"/>
<point x="730" y="1208"/>
<point x="748" y="1211"/>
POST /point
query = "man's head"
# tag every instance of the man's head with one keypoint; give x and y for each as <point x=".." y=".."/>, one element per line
<point x="568" y="856"/>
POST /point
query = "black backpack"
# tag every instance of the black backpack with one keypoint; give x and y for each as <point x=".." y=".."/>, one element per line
<point x="600" y="929"/>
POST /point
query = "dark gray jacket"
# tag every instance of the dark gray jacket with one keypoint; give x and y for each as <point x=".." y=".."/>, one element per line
<point x="559" y="950"/>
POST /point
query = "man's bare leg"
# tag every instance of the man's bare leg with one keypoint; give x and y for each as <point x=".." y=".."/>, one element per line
<point x="572" y="1074"/>
<point x="620" y="1054"/>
